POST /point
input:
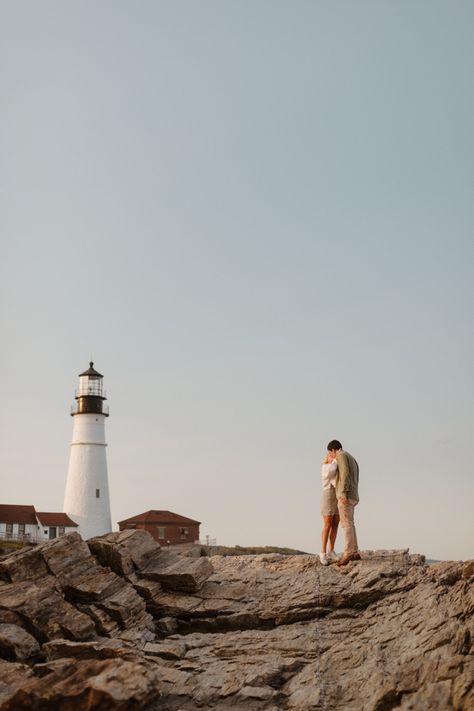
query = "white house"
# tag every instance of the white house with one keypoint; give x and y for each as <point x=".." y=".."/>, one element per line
<point x="25" y="523"/>
<point x="52" y="525"/>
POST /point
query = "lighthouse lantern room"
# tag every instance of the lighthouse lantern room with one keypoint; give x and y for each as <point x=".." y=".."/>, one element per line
<point x="90" y="394"/>
<point x="86" y="498"/>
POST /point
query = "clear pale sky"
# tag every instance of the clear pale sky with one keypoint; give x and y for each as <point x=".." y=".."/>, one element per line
<point x="257" y="218"/>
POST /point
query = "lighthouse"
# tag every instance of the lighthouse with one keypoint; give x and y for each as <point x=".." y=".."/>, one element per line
<point x="86" y="499"/>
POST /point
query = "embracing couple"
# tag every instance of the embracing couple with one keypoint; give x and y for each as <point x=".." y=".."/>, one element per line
<point x="340" y="496"/>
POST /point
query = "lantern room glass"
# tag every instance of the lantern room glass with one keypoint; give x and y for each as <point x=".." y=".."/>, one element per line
<point x="90" y="385"/>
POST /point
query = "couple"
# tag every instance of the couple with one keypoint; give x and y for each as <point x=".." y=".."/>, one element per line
<point x="340" y="480"/>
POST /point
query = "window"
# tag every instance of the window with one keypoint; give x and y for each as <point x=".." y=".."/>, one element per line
<point x="161" y="531"/>
<point x="97" y="493"/>
<point x="21" y="530"/>
<point x="61" y="531"/>
<point x="184" y="532"/>
<point x="9" y="529"/>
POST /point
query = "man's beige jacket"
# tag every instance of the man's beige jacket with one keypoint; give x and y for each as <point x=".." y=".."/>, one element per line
<point x="347" y="479"/>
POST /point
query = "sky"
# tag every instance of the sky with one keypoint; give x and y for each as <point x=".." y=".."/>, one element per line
<point x="256" y="218"/>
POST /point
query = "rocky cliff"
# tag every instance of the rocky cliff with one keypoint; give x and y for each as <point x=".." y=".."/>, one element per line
<point x="116" y="623"/>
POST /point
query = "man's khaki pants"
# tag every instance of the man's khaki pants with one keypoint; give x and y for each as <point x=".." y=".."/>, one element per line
<point x="346" y="514"/>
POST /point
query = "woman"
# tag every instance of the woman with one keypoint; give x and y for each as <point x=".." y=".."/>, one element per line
<point x="329" y="510"/>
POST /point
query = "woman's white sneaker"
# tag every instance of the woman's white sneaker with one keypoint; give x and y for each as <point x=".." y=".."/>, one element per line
<point x="323" y="558"/>
<point x="332" y="555"/>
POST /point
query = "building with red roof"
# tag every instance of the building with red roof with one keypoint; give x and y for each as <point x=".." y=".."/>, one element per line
<point x="164" y="526"/>
<point x="55" y="519"/>
<point x="20" y="522"/>
<point x="13" y="513"/>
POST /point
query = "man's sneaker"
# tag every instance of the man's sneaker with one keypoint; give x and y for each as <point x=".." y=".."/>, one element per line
<point x="332" y="555"/>
<point x="324" y="559"/>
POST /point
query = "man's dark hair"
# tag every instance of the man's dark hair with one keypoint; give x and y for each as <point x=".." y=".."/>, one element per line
<point x="334" y="444"/>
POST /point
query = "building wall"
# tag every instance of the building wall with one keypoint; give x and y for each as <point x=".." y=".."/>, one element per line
<point x="30" y="530"/>
<point x="34" y="533"/>
<point x="172" y="533"/>
<point x="43" y="532"/>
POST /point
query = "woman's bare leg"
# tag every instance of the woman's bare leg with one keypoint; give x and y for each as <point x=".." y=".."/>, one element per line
<point x="333" y="531"/>
<point x="327" y="523"/>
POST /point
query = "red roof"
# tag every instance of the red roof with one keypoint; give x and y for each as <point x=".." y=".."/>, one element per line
<point x="55" y="519"/>
<point x="159" y="517"/>
<point x="13" y="513"/>
<point x="26" y="514"/>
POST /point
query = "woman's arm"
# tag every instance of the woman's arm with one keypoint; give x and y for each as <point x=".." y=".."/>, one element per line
<point x="332" y="470"/>
<point x="328" y="472"/>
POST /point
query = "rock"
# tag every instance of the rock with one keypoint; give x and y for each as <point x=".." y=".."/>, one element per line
<point x="13" y="677"/>
<point x="27" y="564"/>
<point x="138" y="638"/>
<point x="74" y="685"/>
<point x="468" y="570"/>
<point x="147" y="589"/>
<point x="383" y="635"/>
<point x="101" y="601"/>
<point x="16" y="643"/>
<point x="172" y="649"/>
<point x="124" y="551"/>
<point x="167" y="625"/>
<point x="265" y="591"/>
<point x="66" y="556"/>
<point x="62" y="558"/>
<point x="101" y="648"/>
<point x="433" y="696"/>
<point x="463" y="689"/>
<point x="447" y="572"/>
<point x="256" y="692"/>
<point x="44" y="611"/>
<point x="398" y="554"/>
<point x="178" y="573"/>
<point x="110" y="601"/>
<point x="265" y="632"/>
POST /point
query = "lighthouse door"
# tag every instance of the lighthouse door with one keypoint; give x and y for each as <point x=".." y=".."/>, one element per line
<point x="52" y="531"/>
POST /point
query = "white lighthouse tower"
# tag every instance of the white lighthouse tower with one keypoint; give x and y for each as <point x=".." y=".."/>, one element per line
<point x="86" y="499"/>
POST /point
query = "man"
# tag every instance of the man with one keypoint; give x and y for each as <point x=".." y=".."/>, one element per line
<point x="347" y="494"/>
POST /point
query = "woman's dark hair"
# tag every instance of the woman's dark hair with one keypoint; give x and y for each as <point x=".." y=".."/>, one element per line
<point x="334" y="444"/>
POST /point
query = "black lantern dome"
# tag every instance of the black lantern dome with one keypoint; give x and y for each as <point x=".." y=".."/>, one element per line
<point x="90" y="395"/>
<point x="91" y="372"/>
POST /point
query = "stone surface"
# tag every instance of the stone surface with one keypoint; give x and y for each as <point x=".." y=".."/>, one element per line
<point x="388" y="632"/>
<point x="43" y="611"/>
<point x="178" y="573"/>
<point x="77" y="685"/>
<point x="27" y="564"/>
<point x="264" y="591"/>
<point x="16" y="643"/>
<point x="124" y="551"/>
<point x="101" y="648"/>
<point x="164" y="632"/>
<point x="173" y="649"/>
<point x="13" y="677"/>
<point x="71" y="592"/>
